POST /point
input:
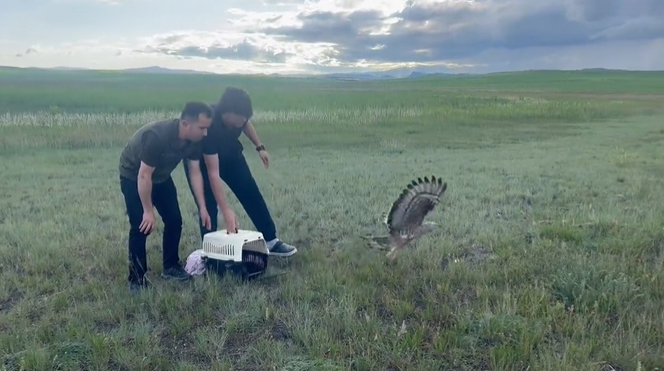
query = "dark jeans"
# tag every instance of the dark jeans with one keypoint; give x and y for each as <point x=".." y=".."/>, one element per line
<point x="165" y="200"/>
<point x="235" y="172"/>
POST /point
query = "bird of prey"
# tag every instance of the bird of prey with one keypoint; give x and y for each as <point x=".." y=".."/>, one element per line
<point x="405" y="220"/>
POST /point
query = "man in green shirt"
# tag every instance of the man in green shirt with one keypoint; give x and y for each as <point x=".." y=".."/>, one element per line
<point x="146" y="164"/>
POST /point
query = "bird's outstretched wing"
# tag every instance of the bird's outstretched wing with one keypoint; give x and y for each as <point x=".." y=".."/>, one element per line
<point x="413" y="204"/>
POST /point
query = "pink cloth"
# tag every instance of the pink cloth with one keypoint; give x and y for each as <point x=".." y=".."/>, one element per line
<point x="195" y="263"/>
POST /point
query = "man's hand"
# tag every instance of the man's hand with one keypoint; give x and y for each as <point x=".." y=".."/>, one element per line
<point x="250" y="132"/>
<point x="265" y="157"/>
<point x="205" y="218"/>
<point x="230" y="220"/>
<point x="148" y="222"/>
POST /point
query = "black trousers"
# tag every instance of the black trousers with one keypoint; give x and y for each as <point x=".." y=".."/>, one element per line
<point x="165" y="200"/>
<point x="235" y="172"/>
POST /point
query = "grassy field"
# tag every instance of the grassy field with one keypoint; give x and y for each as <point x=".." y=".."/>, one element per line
<point x="549" y="254"/>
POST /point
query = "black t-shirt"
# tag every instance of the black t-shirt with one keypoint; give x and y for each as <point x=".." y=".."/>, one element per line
<point x="221" y="139"/>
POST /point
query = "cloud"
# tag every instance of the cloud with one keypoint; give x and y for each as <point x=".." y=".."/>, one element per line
<point x="236" y="46"/>
<point x="425" y="31"/>
<point x="28" y="51"/>
<point x="356" y="33"/>
<point x="329" y="35"/>
<point x="242" y="51"/>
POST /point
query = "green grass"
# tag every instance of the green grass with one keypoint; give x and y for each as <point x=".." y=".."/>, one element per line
<point x="549" y="254"/>
<point x="110" y="91"/>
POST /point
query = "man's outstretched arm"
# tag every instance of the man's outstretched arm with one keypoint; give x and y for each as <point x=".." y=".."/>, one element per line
<point x="250" y="132"/>
<point x="212" y="165"/>
<point x="197" y="182"/>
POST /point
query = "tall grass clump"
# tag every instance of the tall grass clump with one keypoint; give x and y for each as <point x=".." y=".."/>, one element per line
<point x="57" y="129"/>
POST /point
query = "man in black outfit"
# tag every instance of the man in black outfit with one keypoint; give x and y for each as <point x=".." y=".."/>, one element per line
<point x="231" y="118"/>
<point x="146" y="164"/>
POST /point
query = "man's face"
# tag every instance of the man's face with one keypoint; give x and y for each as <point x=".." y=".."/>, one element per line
<point x="233" y="120"/>
<point x="197" y="130"/>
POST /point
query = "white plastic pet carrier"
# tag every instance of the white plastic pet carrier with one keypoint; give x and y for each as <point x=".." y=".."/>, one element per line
<point x="244" y="252"/>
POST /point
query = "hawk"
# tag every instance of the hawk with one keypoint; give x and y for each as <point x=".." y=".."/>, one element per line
<point x="405" y="220"/>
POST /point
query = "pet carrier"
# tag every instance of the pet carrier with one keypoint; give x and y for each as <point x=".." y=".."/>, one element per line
<point x="244" y="253"/>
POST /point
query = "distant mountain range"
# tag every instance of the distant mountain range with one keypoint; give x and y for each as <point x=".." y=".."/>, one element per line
<point x="151" y="69"/>
<point x="370" y="75"/>
<point x="398" y="73"/>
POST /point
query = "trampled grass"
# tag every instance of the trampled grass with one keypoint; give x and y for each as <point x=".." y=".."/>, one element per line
<point x="549" y="254"/>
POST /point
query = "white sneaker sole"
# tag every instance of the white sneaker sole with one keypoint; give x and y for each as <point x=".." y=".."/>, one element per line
<point x="282" y="254"/>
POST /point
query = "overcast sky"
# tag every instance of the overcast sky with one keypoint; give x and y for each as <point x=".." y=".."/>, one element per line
<point x="267" y="36"/>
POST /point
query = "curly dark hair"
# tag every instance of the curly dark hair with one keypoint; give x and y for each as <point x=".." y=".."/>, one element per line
<point x="237" y="101"/>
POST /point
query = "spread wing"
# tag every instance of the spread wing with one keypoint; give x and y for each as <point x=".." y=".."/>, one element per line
<point x="413" y="204"/>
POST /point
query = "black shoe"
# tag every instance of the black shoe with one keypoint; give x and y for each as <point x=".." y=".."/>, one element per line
<point x="282" y="249"/>
<point x="176" y="273"/>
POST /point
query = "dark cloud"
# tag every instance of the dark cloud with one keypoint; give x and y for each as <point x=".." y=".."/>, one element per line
<point x="328" y="26"/>
<point x="241" y="51"/>
<point x="490" y="34"/>
<point x="631" y="55"/>
<point x="456" y="30"/>
<point x="27" y="52"/>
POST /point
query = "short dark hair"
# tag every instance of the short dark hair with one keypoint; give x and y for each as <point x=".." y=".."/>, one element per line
<point x="192" y="111"/>
<point x="237" y="101"/>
